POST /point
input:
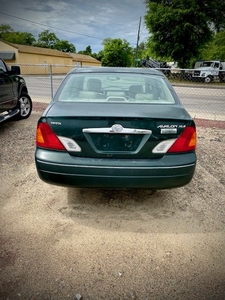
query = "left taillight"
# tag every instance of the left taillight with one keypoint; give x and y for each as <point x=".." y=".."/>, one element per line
<point x="46" y="138"/>
<point x="185" y="142"/>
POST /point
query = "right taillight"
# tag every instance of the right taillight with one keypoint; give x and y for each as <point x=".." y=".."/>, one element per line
<point x="185" y="142"/>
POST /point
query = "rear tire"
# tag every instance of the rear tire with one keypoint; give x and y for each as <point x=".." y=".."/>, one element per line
<point x="25" y="106"/>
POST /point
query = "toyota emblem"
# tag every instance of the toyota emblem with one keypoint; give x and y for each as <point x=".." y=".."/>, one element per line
<point x="117" y="128"/>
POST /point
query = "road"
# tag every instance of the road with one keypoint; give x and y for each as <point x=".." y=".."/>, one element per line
<point x="61" y="243"/>
<point x="201" y="102"/>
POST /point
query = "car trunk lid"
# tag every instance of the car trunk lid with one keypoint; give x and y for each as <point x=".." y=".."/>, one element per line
<point x="117" y="130"/>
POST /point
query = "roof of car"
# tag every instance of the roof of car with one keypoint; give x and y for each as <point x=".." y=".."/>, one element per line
<point x="116" y="70"/>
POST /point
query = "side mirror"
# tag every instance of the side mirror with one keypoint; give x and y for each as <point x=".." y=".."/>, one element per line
<point x="15" y="70"/>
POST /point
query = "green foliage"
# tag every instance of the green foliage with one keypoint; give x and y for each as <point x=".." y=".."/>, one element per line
<point x="87" y="51"/>
<point x="98" y="55"/>
<point x="64" y="46"/>
<point x="5" y="28"/>
<point x="179" y="29"/>
<point x="17" y="37"/>
<point x="215" y="12"/>
<point x="214" y="49"/>
<point x="142" y="51"/>
<point x="116" y="53"/>
<point x="46" y="39"/>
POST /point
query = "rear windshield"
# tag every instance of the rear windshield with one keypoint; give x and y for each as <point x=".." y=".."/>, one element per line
<point x="122" y="87"/>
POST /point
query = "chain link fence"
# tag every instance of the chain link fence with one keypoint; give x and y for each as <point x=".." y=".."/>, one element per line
<point x="203" y="99"/>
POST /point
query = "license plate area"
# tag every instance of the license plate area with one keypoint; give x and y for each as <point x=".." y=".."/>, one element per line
<point x="116" y="143"/>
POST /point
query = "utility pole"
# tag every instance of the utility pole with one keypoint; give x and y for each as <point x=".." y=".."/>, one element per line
<point x="138" y="37"/>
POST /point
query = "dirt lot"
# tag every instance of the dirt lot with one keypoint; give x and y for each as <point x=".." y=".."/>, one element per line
<point x="60" y="243"/>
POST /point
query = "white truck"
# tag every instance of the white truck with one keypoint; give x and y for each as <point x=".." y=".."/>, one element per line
<point x="209" y="70"/>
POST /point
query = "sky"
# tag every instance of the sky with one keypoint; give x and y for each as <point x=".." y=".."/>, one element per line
<point x="80" y="22"/>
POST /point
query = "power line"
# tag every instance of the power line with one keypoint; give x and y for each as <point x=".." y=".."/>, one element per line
<point x="68" y="31"/>
<point x="53" y="27"/>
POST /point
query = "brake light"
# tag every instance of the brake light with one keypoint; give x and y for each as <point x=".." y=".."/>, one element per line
<point x="46" y="138"/>
<point x="185" y="142"/>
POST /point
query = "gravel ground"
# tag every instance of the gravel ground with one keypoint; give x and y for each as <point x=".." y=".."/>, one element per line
<point x="61" y="243"/>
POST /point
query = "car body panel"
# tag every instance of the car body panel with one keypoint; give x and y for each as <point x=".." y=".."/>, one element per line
<point x="167" y="172"/>
<point x="8" y="92"/>
<point x="8" y="87"/>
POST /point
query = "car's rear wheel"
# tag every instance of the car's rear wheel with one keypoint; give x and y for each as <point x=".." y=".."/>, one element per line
<point x="25" y="106"/>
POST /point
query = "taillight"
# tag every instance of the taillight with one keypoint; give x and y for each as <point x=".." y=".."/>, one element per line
<point x="46" y="138"/>
<point x="185" y="142"/>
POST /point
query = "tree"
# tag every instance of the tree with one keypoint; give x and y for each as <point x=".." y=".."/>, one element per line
<point x="98" y="55"/>
<point x="179" y="29"/>
<point x="215" y="12"/>
<point x="23" y="38"/>
<point x="9" y="35"/>
<point x="64" y="46"/>
<point x="87" y="51"/>
<point x="142" y="52"/>
<point x="4" y="29"/>
<point x="116" y="53"/>
<point x="46" y="39"/>
<point x="215" y="49"/>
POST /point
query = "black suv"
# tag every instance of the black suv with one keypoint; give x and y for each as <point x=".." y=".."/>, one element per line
<point x="14" y="99"/>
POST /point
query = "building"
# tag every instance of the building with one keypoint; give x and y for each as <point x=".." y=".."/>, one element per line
<point x="36" y="60"/>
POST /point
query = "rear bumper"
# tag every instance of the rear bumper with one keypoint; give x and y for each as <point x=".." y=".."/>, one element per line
<point x="62" y="169"/>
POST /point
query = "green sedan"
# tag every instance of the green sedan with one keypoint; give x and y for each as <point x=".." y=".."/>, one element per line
<point x="117" y="128"/>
